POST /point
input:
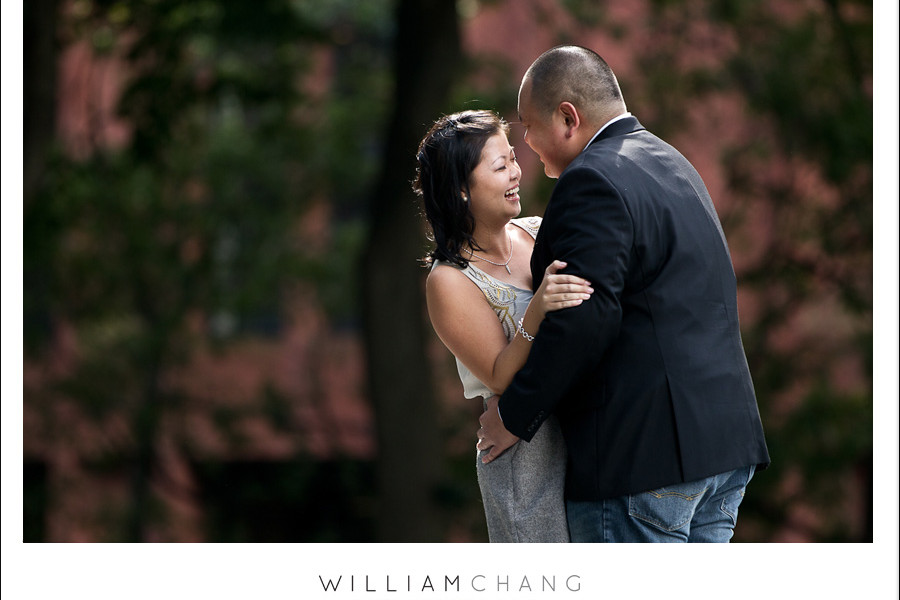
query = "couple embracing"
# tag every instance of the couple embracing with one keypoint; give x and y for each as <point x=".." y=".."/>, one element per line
<point x="603" y="338"/>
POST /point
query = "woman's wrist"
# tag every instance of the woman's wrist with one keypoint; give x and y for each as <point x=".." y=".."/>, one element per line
<point x="531" y="320"/>
<point x="520" y="329"/>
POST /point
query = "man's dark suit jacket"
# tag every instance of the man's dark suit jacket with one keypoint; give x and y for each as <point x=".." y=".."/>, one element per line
<point x="648" y="378"/>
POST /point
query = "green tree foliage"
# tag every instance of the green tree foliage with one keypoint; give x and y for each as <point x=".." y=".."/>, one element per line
<point x="183" y="239"/>
<point x="193" y="217"/>
<point x="811" y="75"/>
<point x="186" y="237"/>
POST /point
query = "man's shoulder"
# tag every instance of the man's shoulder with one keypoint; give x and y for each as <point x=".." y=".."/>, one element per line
<point x="634" y="153"/>
<point x="599" y="162"/>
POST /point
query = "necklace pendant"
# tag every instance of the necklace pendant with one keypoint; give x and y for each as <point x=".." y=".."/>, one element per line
<point x="507" y="269"/>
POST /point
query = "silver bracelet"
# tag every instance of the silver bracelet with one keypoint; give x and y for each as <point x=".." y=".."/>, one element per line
<point x="520" y="329"/>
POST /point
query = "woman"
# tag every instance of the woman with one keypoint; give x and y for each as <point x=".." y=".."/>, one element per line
<point x="468" y="179"/>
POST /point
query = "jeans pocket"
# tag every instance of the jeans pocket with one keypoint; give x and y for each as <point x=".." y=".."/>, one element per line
<point x="732" y="501"/>
<point x="730" y="505"/>
<point x="668" y="508"/>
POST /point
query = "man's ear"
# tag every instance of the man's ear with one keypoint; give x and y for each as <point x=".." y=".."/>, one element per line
<point x="570" y="117"/>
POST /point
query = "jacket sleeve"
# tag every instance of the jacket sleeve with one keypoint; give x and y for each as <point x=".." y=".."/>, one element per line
<point x="588" y="226"/>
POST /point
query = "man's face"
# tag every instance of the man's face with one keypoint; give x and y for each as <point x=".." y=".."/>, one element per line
<point x="545" y="134"/>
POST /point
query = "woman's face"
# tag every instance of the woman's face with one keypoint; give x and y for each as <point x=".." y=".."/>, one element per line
<point x="494" y="183"/>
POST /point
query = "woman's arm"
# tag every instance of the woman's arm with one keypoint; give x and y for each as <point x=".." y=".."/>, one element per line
<point x="469" y="327"/>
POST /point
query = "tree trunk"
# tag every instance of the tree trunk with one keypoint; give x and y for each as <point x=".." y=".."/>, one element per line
<point x="39" y="90"/>
<point x="410" y="447"/>
<point x="39" y="80"/>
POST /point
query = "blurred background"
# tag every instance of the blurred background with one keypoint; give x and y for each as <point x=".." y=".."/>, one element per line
<point x="225" y="336"/>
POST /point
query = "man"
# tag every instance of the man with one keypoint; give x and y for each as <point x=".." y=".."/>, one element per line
<point x="648" y="377"/>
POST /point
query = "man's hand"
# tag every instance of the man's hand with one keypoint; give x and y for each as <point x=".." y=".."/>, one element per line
<point x="493" y="435"/>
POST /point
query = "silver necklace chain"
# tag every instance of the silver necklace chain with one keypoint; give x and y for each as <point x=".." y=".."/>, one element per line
<point x="505" y="265"/>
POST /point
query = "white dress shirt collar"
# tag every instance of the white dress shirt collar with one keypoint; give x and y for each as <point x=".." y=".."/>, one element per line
<point x="608" y="123"/>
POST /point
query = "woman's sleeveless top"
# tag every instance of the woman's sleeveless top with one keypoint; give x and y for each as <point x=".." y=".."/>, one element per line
<point x="508" y="301"/>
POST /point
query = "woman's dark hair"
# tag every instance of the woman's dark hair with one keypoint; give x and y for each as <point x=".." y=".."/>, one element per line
<point x="447" y="155"/>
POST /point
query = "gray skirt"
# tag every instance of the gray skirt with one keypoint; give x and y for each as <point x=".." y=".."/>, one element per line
<point x="522" y="489"/>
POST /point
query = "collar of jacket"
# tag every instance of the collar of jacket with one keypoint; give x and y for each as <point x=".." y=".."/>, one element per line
<point x="620" y="127"/>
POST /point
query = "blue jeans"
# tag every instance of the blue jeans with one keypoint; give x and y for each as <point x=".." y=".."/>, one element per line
<point x="697" y="511"/>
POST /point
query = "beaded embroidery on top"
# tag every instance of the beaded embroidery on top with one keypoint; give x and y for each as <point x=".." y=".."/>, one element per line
<point x="529" y="224"/>
<point x="501" y="296"/>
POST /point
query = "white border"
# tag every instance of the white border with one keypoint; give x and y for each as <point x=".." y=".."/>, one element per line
<point x="739" y="571"/>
